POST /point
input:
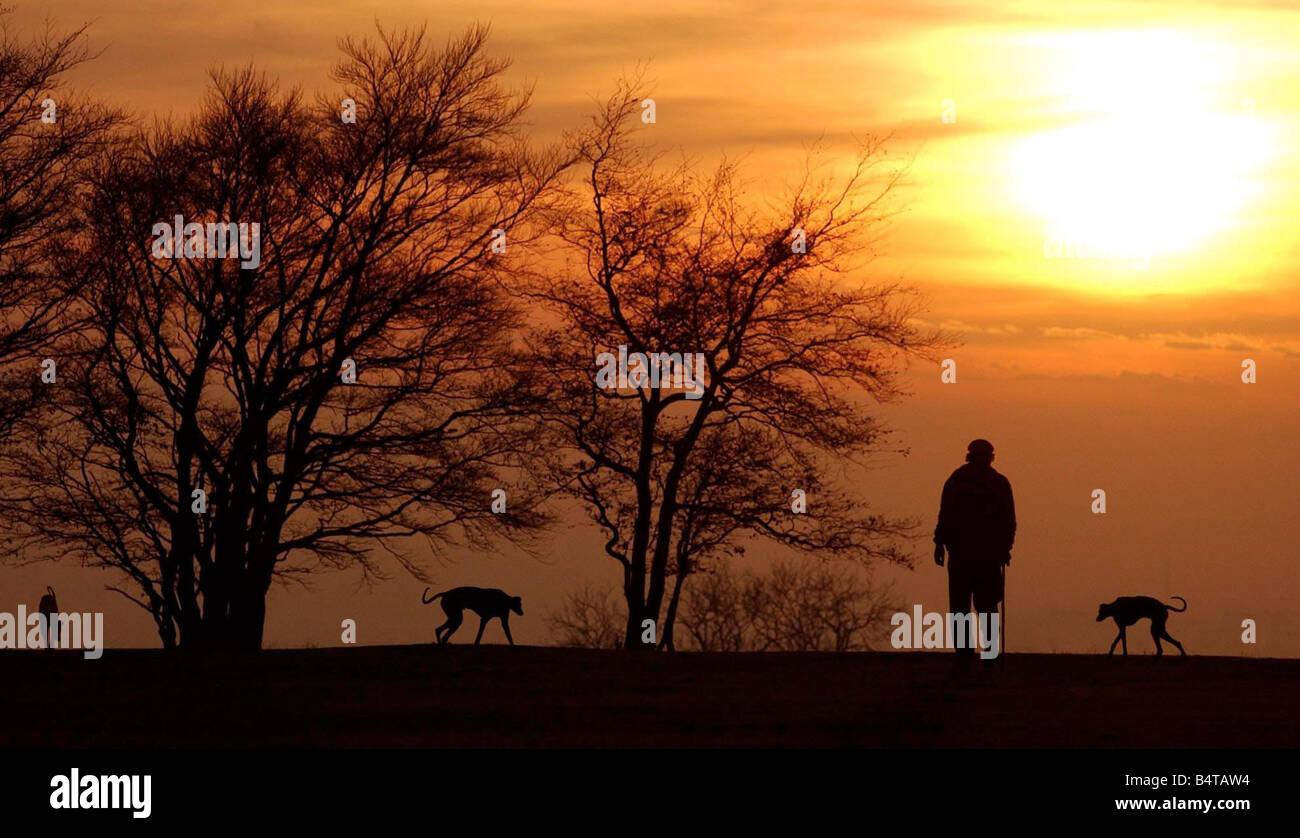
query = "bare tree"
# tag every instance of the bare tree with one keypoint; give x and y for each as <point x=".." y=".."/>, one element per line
<point x="665" y="260"/>
<point x="346" y="391"/>
<point x="822" y="607"/>
<point x="809" y="606"/>
<point x="46" y="133"/>
<point x="719" y="611"/>
<point x="796" y="606"/>
<point x="589" y="618"/>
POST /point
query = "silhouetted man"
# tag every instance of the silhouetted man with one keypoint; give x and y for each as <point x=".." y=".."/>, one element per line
<point x="49" y="608"/>
<point x="977" y="523"/>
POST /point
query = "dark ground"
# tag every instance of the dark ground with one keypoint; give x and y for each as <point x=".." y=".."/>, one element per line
<point x="493" y="696"/>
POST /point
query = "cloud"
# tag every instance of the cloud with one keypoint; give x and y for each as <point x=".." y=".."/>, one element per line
<point x="966" y="328"/>
<point x="1076" y="333"/>
<point x="1226" y="342"/>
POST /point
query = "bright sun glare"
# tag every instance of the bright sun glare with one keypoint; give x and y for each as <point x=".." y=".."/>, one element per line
<point x="1151" y="166"/>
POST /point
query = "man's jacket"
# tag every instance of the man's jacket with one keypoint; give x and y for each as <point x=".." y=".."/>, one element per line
<point x="977" y="514"/>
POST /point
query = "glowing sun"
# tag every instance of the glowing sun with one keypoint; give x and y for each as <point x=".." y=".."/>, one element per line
<point x="1147" y="164"/>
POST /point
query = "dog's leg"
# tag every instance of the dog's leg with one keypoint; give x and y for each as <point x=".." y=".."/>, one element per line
<point x="1179" y="646"/>
<point x="1123" y="638"/>
<point x="505" y="624"/>
<point x="1115" y="642"/>
<point x="482" y="624"/>
<point x="449" y="627"/>
<point x="1155" y="635"/>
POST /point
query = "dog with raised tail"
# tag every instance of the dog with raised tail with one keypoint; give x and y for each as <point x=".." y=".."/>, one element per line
<point x="487" y="603"/>
<point x="1127" y="610"/>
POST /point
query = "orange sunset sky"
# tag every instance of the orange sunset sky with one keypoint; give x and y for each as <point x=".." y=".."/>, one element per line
<point x="1162" y="129"/>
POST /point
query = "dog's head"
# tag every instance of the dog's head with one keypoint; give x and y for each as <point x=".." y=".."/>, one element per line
<point x="517" y="605"/>
<point x="1103" y="610"/>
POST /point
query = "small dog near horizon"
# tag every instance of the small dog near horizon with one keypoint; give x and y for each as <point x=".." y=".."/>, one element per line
<point x="487" y="603"/>
<point x="1127" y="610"/>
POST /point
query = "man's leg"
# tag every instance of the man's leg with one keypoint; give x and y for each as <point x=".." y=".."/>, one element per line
<point x="988" y="595"/>
<point x="960" y="591"/>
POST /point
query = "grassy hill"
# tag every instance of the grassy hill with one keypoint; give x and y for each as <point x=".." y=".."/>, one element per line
<point x="495" y="696"/>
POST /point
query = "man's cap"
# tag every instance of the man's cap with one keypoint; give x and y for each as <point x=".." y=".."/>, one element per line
<point x="980" y="446"/>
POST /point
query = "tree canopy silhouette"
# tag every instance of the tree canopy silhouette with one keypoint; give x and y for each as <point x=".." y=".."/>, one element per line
<point x="47" y="132"/>
<point x="225" y="423"/>
<point x="666" y="259"/>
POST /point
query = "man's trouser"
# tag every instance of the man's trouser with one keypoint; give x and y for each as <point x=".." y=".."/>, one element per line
<point x="974" y="576"/>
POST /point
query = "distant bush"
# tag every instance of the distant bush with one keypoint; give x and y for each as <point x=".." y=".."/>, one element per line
<point x="590" y="618"/>
<point x="802" y="606"/>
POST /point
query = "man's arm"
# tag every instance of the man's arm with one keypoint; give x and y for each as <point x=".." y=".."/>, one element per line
<point x="945" y="514"/>
<point x="1010" y="503"/>
<point x="941" y="528"/>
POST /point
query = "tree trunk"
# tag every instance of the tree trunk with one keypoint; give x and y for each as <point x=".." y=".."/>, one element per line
<point x="248" y="610"/>
<point x="252" y="620"/>
<point x="248" y="616"/>
<point x="666" y="641"/>
<point x="634" y="582"/>
<point x="166" y="627"/>
<point x="634" y="592"/>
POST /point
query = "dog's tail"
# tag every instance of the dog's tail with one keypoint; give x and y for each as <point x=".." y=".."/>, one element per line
<point x="430" y="599"/>
<point x="1178" y="610"/>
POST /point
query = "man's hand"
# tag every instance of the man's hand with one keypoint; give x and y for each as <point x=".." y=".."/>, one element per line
<point x="938" y="554"/>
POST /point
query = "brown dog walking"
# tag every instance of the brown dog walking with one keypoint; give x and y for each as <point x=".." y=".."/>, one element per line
<point x="1127" y="610"/>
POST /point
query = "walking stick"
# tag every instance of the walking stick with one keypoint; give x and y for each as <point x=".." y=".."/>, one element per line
<point x="1002" y="623"/>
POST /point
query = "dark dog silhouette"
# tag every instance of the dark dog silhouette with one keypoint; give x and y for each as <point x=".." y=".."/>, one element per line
<point x="50" y="608"/>
<point x="487" y="603"/>
<point x="1127" y="610"/>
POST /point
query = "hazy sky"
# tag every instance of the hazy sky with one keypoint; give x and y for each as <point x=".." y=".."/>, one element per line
<point x="1160" y="136"/>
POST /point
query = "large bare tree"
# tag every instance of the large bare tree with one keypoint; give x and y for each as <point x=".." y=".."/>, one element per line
<point x="47" y="131"/>
<point x="796" y="347"/>
<point x="342" y="392"/>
